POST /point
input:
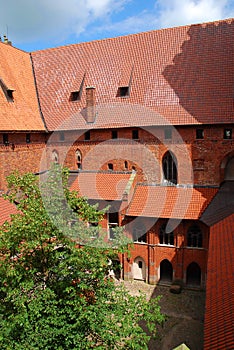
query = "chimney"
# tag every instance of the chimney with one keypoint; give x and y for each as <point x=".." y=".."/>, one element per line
<point x="6" y="41"/>
<point x="90" y="104"/>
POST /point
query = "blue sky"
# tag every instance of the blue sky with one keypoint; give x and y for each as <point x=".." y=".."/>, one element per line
<point x="40" y="24"/>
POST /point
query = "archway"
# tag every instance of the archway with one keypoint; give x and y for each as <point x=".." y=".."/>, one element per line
<point x="229" y="170"/>
<point x="166" y="271"/>
<point x="193" y="275"/>
<point x="139" y="269"/>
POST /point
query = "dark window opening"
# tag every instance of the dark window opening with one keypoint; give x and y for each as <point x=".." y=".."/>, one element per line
<point x="139" y="233"/>
<point x="126" y="165"/>
<point x="75" y="96"/>
<point x="113" y="222"/>
<point x="135" y="134"/>
<point x="227" y="134"/>
<point x="28" y="138"/>
<point x="200" y="134"/>
<point x="133" y="168"/>
<point x="169" y="168"/>
<point x="114" y="134"/>
<point x="87" y="136"/>
<point x="140" y="264"/>
<point x="194" y="237"/>
<point x="61" y="136"/>
<point x="168" y="133"/>
<point x="5" y="139"/>
<point x="123" y="91"/>
<point x="78" y="159"/>
<point x="10" y="94"/>
<point x="110" y="166"/>
<point x="166" y="237"/>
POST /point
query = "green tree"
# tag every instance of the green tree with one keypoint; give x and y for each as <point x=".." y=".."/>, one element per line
<point x="54" y="295"/>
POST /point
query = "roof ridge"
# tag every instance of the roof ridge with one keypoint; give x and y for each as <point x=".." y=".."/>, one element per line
<point x="135" y="34"/>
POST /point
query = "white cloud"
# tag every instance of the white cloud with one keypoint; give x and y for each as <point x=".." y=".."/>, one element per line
<point x="55" y="20"/>
<point x="170" y="13"/>
<point x="181" y="12"/>
<point x="29" y="20"/>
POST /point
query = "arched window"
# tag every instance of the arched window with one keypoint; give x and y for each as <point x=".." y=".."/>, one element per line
<point x="194" y="237"/>
<point x="169" y="165"/>
<point x="55" y="157"/>
<point x="78" y="159"/>
<point x="139" y="233"/>
<point x="165" y="236"/>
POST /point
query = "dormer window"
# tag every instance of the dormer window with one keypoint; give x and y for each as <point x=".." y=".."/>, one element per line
<point x="7" y="91"/>
<point x="10" y="94"/>
<point x="75" y="96"/>
<point x="123" y="91"/>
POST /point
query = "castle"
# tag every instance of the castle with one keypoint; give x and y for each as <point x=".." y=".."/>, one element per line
<point x="145" y="124"/>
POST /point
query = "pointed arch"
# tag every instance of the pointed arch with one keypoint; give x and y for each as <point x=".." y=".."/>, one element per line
<point x="169" y="167"/>
<point x="139" y="269"/>
<point x="166" y="271"/>
<point x="193" y="275"/>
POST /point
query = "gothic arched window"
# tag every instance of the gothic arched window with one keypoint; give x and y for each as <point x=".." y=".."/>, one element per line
<point x="165" y="236"/>
<point x="55" y="157"/>
<point x="169" y="165"/>
<point x="78" y="159"/>
<point x="194" y="237"/>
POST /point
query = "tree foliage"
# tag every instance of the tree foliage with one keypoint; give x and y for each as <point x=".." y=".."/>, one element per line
<point x="55" y="295"/>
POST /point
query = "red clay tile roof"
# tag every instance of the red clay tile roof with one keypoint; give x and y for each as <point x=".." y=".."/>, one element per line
<point x="101" y="186"/>
<point x="6" y="209"/>
<point x="219" y="314"/>
<point x="170" y="202"/>
<point x="16" y="74"/>
<point x="183" y="75"/>
<point x="221" y="206"/>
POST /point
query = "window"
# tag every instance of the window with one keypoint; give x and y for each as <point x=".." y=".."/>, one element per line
<point x="165" y="236"/>
<point x="114" y="134"/>
<point x="135" y="135"/>
<point x="61" y="136"/>
<point x="227" y="134"/>
<point x="126" y="165"/>
<point x="28" y="138"/>
<point x="78" y="159"/>
<point x="194" y="237"/>
<point x="139" y="233"/>
<point x="94" y="229"/>
<point x="87" y="136"/>
<point x="10" y="94"/>
<point x="75" y="96"/>
<point x="55" y="156"/>
<point x="123" y="91"/>
<point x="110" y="166"/>
<point x="113" y="222"/>
<point x="5" y="139"/>
<point x="169" y="168"/>
<point x="200" y="134"/>
<point x="168" y="133"/>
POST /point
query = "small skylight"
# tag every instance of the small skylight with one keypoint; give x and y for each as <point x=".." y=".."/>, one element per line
<point x="75" y="96"/>
<point x="123" y="91"/>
